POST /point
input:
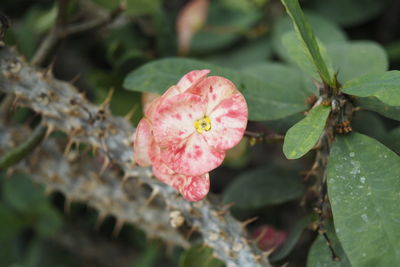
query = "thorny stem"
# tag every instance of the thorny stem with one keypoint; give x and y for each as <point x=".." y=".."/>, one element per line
<point x="338" y="122"/>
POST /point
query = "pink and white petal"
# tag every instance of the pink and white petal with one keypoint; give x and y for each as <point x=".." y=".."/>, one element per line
<point x="215" y="89"/>
<point x="192" y="156"/>
<point x="141" y="143"/>
<point x="148" y="100"/>
<point x="195" y="188"/>
<point x="228" y="123"/>
<point x="151" y="108"/>
<point x="191" y="78"/>
<point x="176" y="117"/>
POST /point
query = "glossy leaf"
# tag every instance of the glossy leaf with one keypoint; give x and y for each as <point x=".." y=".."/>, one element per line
<point x="264" y="186"/>
<point x="199" y="256"/>
<point x="303" y="136"/>
<point x="24" y="195"/>
<point x="353" y="59"/>
<point x="320" y="254"/>
<point x="307" y="35"/>
<point x="385" y="86"/>
<point x="363" y="187"/>
<point x="372" y="103"/>
<point x="326" y="31"/>
<point x="299" y="55"/>
<point x="245" y="55"/>
<point x="266" y="100"/>
<point x="222" y="30"/>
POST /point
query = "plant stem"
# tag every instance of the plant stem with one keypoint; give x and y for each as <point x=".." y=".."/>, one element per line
<point x="21" y="151"/>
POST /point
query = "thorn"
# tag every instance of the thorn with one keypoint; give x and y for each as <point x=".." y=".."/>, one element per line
<point x="100" y="220"/>
<point x="191" y="231"/>
<point x="106" y="163"/>
<point x="268" y="252"/>
<point x="248" y="221"/>
<point x="48" y="190"/>
<point x="130" y="114"/>
<point x="126" y="177"/>
<point x="153" y="194"/>
<point x="107" y="101"/>
<point x="75" y="79"/>
<point x="68" y="146"/>
<point x="225" y="209"/>
<point x="49" y="130"/>
<point x="103" y="145"/>
<point x="95" y="148"/>
<point x="15" y="102"/>
<point x="49" y="70"/>
<point x="117" y="228"/>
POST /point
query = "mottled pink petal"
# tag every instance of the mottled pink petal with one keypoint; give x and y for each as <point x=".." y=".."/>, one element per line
<point x="176" y="118"/>
<point x="228" y="123"/>
<point x="191" y="78"/>
<point x="148" y="100"/>
<point x="214" y="89"/>
<point x="192" y="156"/>
<point x="141" y="143"/>
<point x="195" y="188"/>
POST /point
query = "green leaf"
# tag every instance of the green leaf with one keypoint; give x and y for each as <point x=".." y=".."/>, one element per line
<point x="292" y="239"/>
<point x="385" y="86"/>
<point x="10" y="223"/>
<point x="247" y="54"/>
<point x="199" y="256"/>
<point x="369" y="123"/>
<point x="303" y="136"/>
<point x="372" y="103"/>
<point x="326" y="31"/>
<point x="352" y="60"/>
<point x="289" y="77"/>
<point x="264" y="186"/>
<point x="348" y="12"/>
<point x="300" y="56"/>
<point x="304" y="29"/>
<point x="48" y="222"/>
<point x="392" y="140"/>
<point x="24" y="195"/>
<point x="222" y="30"/>
<point x="320" y="254"/>
<point x="266" y="100"/>
<point x="363" y="188"/>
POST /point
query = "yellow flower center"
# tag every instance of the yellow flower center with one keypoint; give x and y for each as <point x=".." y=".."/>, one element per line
<point x="203" y="124"/>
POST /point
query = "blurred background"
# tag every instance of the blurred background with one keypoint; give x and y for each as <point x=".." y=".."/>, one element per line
<point x="40" y="229"/>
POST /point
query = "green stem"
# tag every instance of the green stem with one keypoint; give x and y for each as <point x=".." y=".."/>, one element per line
<point x="21" y="151"/>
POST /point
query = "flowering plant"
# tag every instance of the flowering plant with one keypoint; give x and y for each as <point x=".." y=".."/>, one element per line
<point x="186" y="131"/>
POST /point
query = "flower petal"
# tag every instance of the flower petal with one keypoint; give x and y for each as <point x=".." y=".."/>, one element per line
<point x="141" y="143"/>
<point x="228" y="123"/>
<point x="176" y="118"/>
<point x="195" y="188"/>
<point x="214" y="89"/>
<point x="192" y="156"/>
<point x="191" y="78"/>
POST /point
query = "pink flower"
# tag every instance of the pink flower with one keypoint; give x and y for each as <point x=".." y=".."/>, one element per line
<point x="186" y="131"/>
<point x="268" y="237"/>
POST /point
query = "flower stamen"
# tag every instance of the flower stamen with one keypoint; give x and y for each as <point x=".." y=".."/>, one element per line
<point x="203" y="125"/>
